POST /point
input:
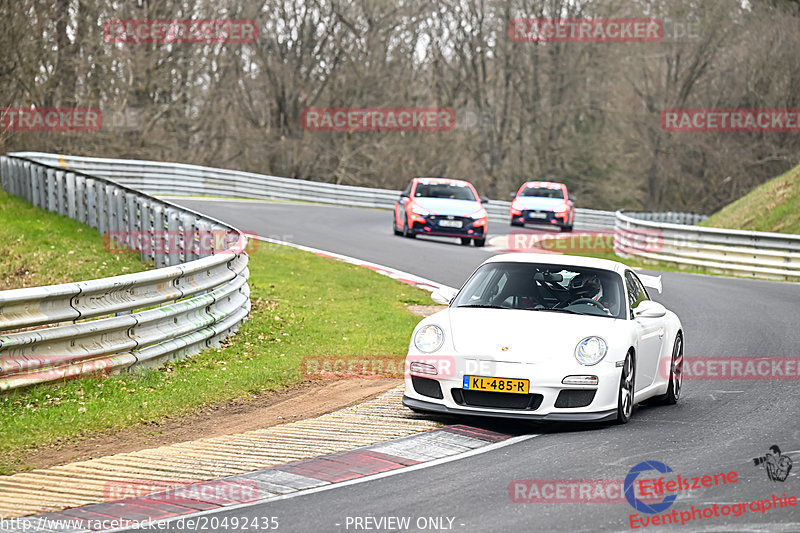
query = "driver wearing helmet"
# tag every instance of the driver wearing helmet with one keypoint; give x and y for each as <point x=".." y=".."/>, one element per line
<point x="590" y="286"/>
<point x="585" y="286"/>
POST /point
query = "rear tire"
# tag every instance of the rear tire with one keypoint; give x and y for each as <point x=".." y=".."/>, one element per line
<point x="675" y="375"/>
<point x="566" y="228"/>
<point x="479" y="242"/>
<point x="465" y="241"/>
<point x="517" y="224"/>
<point x="627" y="386"/>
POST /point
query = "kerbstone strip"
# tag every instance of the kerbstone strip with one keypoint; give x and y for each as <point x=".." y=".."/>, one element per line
<point x="398" y="439"/>
<point x="92" y="481"/>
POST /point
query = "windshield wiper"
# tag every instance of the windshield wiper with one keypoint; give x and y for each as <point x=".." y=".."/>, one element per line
<point x="483" y="306"/>
<point x="561" y="311"/>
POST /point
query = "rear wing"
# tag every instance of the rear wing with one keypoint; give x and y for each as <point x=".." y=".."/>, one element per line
<point x="651" y="282"/>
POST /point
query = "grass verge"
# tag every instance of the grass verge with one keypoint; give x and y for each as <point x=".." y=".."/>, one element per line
<point x="303" y="305"/>
<point x="38" y="247"/>
<point x="772" y="206"/>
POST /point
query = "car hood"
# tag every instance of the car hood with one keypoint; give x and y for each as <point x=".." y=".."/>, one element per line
<point x="532" y="202"/>
<point x="526" y="336"/>
<point x="448" y="206"/>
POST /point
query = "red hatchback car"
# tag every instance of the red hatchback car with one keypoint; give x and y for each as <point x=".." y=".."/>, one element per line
<point x="441" y="207"/>
<point x="543" y="203"/>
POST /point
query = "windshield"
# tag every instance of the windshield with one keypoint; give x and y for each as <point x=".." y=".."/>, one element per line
<point x="542" y="192"/>
<point x="444" y="190"/>
<point x="542" y="287"/>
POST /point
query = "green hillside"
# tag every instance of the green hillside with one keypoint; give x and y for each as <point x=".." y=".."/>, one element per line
<point x="773" y="206"/>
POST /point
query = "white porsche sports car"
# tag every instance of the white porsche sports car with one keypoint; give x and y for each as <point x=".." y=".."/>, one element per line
<point x="546" y="337"/>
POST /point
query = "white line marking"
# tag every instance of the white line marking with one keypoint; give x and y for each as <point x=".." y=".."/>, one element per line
<point x="411" y="468"/>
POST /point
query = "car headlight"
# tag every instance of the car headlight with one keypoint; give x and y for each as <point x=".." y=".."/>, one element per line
<point x="591" y="351"/>
<point x="429" y="338"/>
<point x="420" y="210"/>
<point x="480" y="213"/>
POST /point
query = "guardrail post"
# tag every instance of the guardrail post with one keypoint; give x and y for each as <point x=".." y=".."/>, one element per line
<point x="144" y="227"/>
<point x="70" y="189"/>
<point x="173" y="236"/>
<point x="61" y="204"/>
<point x="37" y="184"/>
<point x="91" y="203"/>
<point x="27" y="181"/>
<point x="190" y="238"/>
<point x="4" y="166"/>
<point x="52" y="201"/>
<point x="16" y="179"/>
<point x="81" y="213"/>
<point x="157" y="236"/>
<point x="118" y="214"/>
<point x="205" y="242"/>
<point x="131" y="217"/>
<point x="104" y="199"/>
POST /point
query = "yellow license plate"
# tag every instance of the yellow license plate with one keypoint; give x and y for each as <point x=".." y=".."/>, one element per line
<point x="518" y="386"/>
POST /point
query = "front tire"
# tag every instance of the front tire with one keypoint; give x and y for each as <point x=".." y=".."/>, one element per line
<point x="406" y="231"/>
<point x="394" y="226"/>
<point x="626" y="389"/>
<point x="479" y="242"/>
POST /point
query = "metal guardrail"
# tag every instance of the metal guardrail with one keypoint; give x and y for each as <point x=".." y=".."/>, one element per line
<point x="164" y="179"/>
<point x="200" y="295"/>
<point x="734" y="252"/>
<point x="670" y="217"/>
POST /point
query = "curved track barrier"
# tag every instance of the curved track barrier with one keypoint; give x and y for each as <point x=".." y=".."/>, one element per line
<point x="163" y="179"/>
<point x="196" y="297"/>
<point x="734" y="252"/>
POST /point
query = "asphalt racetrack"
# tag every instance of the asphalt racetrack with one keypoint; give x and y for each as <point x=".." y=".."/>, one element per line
<point x="718" y="425"/>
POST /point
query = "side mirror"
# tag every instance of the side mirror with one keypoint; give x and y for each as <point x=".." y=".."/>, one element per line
<point x="571" y="198"/>
<point x="403" y="195"/>
<point x="650" y="309"/>
<point x="512" y="195"/>
<point x="443" y="295"/>
<point x="484" y="200"/>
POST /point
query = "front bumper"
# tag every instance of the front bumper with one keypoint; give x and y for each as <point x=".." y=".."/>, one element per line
<point x="599" y="416"/>
<point x="433" y="226"/>
<point x="548" y="397"/>
<point x="541" y="217"/>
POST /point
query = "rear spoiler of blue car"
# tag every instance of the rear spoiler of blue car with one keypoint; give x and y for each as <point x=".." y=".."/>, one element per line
<point x="651" y="282"/>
